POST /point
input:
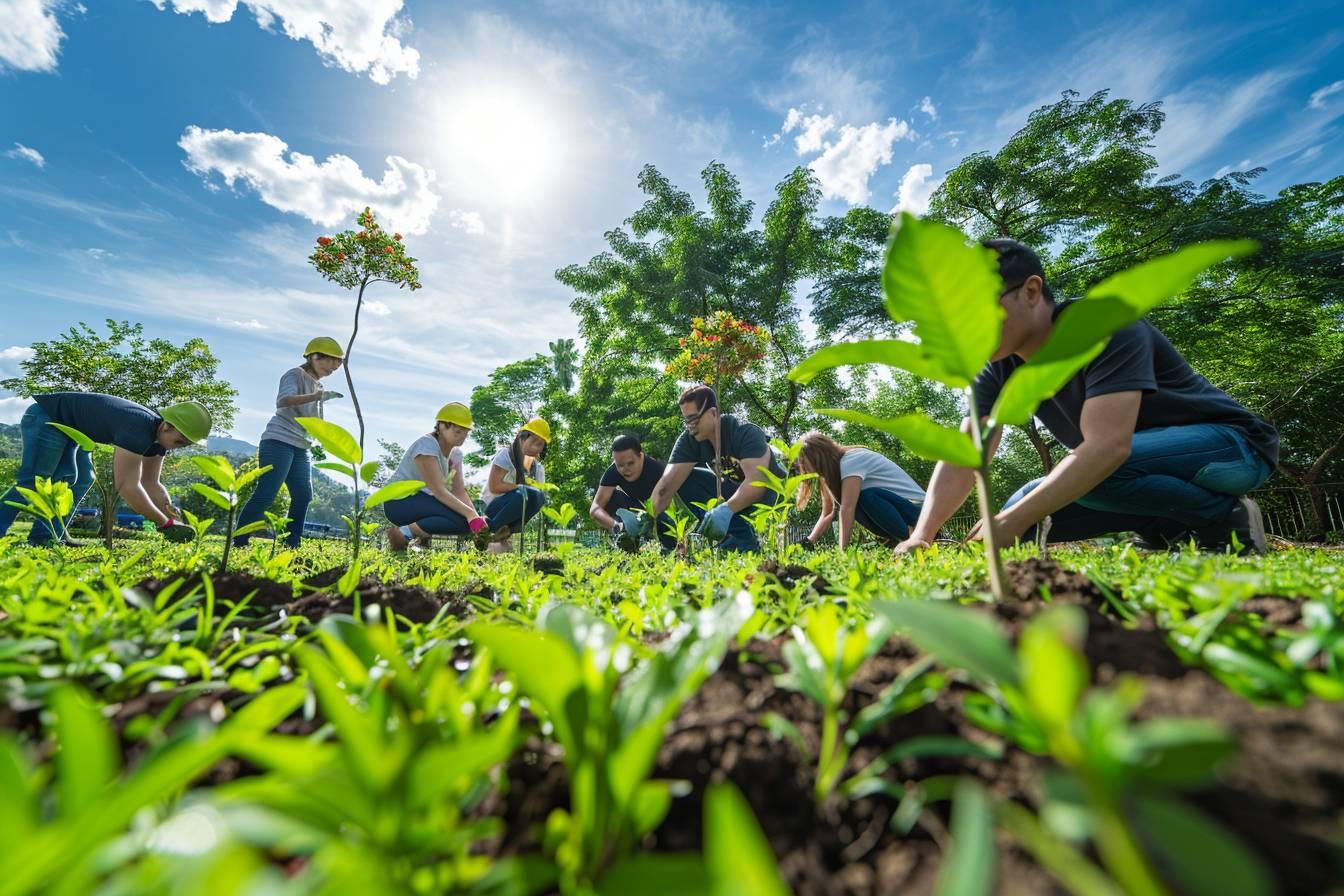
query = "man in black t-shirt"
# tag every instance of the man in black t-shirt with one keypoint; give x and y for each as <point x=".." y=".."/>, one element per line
<point x="626" y="485"/>
<point x="1155" y="448"/>
<point x="741" y="448"/>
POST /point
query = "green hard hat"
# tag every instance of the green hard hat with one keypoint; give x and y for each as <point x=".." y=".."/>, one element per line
<point x="189" y="418"/>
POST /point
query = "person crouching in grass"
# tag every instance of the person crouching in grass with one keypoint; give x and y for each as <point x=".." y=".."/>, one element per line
<point x="442" y="507"/>
<point x="509" y="501"/>
<point x="867" y="487"/>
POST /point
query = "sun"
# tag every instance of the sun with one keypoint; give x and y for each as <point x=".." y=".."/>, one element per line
<point x="501" y="144"/>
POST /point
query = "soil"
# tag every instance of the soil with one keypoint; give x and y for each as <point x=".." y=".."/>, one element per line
<point x="794" y="573"/>
<point x="229" y="588"/>
<point x="413" y="603"/>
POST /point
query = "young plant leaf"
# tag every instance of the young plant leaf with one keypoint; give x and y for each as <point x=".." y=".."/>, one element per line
<point x="737" y="855"/>
<point x="87" y="760"/>
<point x="214" y="496"/>
<point x="920" y="434"/>
<point x="948" y="289"/>
<point x="968" y="866"/>
<point x="75" y="435"/>
<point x="899" y="353"/>
<point x="957" y="636"/>
<point x="1200" y="857"/>
<point x="368" y="470"/>
<point x="335" y="440"/>
<point x="248" y="529"/>
<point x="393" y="491"/>
<point x="1054" y="671"/>
<point x="217" y="468"/>
<point x="333" y="466"/>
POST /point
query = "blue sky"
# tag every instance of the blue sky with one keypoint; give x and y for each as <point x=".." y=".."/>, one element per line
<point x="171" y="161"/>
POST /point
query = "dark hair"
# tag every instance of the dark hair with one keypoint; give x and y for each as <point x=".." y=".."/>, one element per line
<point x="516" y="454"/>
<point x="627" y="443"/>
<point x="701" y="396"/>
<point x="1017" y="262"/>
<point x="822" y="454"/>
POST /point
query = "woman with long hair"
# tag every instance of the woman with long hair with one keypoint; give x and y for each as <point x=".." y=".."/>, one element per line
<point x="442" y="506"/>
<point x="509" y="501"/>
<point x="866" y="487"/>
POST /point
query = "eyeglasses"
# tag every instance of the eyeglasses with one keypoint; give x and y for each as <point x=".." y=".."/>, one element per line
<point x="1012" y="289"/>
<point x="690" y="421"/>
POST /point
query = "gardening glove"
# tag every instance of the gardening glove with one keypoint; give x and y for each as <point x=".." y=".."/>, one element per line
<point x="806" y="543"/>
<point x="626" y="531"/>
<point x="477" y="524"/>
<point x="175" y="530"/>
<point x="645" y="527"/>
<point x="715" y="524"/>
<point x="328" y="395"/>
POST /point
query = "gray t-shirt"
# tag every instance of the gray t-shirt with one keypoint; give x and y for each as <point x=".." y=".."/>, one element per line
<point x="282" y="427"/>
<point x="877" y="471"/>
<point x="1137" y="359"/>
<point x="504" y="462"/>
<point x="450" y="466"/>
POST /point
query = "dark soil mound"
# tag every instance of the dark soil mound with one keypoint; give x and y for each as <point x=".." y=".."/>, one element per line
<point x="413" y="603"/>
<point x="230" y="587"/>
<point x="794" y="573"/>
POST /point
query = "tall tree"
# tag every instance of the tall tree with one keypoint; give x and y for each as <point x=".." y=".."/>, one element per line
<point x="154" y="372"/>
<point x="514" y="393"/>
<point x="564" y="359"/>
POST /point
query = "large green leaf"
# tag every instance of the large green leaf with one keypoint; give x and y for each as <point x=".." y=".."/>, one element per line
<point x="920" y="434"/>
<point x="75" y="435"/>
<point x="1199" y="856"/>
<point x="968" y="866"/>
<point x="655" y="874"/>
<point x="337" y="442"/>
<point x="1054" y="671"/>
<point x="956" y="635"/>
<point x="392" y="491"/>
<point x="87" y="759"/>
<point x="737" y="855"/>
<point x="546" y="669"/>
<point x="949" y="289"/>
<point x="214" y="496"/>
<point x="1146" y="285"/>
<point x="218" y="469"/>
<point x="890" y="352"/>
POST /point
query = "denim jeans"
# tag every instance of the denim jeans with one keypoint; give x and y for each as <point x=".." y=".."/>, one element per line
<point x="886" y="514"/>
<point x="514" y="508"/>
<point x="49" y="453"/>
<point x="427" y="512"/>
<point x="621" y="501"/>
<point x="289" y="466"/>
<point x="1176" y="478"/>
<point x="699" y="487"/>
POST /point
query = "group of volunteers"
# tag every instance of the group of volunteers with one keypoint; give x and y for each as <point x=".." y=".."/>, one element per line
<point x="1154" y="449"/>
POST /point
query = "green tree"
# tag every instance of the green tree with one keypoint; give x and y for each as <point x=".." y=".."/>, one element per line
<point x="514" y="394"/>
<point x="565" y="359"/>
<point x="124" y="362"/>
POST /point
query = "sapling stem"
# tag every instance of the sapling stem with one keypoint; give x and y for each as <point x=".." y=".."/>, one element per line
<point x="988" y="527"/>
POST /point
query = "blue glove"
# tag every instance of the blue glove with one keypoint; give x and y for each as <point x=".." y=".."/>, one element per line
<point x="715" y="524"/>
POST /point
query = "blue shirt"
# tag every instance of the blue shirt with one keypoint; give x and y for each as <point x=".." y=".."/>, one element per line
<point x="105" y="419"/>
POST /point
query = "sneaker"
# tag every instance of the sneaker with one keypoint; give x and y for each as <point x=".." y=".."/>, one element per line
<point x="395" y="540"/>
<point x="1162" y="538"/>
<point x="1248" y="524"/>
<point x="424" y="542"/>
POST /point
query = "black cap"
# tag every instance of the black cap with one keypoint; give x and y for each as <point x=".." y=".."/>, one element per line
<point x="1017" y="262"/>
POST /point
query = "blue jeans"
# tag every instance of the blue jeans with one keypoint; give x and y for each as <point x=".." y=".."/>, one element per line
<point x="427" y="512"/>
<point x="1176" y="478"/>
<point x="289" y="466"/>
<point x="886" y="514"/>
<point x="49" y="453"/>
<point x="514" y="508"/>
<point x="621" y="501"/>
<point x="699" y="486"/>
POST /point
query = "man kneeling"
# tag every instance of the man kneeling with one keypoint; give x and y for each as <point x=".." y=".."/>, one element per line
<point x="618" y="505"/>
<point x="1154" y="447"/>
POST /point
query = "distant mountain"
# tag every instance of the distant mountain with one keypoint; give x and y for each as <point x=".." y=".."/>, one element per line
<point x="227" y="445"/>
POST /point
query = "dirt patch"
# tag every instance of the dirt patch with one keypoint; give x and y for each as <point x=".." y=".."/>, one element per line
<point x="1275" y="612"/>
<point x="413" y="603"/>
<point x="230" y="587"/>
<point x="793" y="574"/>
<point x="553" y="566"/>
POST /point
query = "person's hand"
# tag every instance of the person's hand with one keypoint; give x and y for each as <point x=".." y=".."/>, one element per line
<point x="910" y="545"/>
<point x="1006" y="529"/>
<point x="328" y="395"/>
<point x="645" y="524"/>
<point x="476" y="524"/>
<point x="806" y="543"/>
<point x="174" y="530"/>
<point x="715" y="524"/>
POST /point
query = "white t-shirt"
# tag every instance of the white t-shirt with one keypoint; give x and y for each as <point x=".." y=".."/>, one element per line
<point x="876" y="471"/>
<point x="449" y="466"/>
<point x="505" y="463"/>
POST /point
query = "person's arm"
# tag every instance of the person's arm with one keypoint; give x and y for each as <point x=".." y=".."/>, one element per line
<point x="827" y="514"/>
<point x="752" y="488"/>
<point x="429" y="471"/>
<point x="460" y="482"/>
<point x="674" y="476"/>
<point x="597" y="510"/>
<point x="498" y="485"/>
<point x="151" y="471"/>
<point x="948" y="489"/>
<point x="290" y="401"/>
<point x="850" y="487"/>
<point x="1107" y="425"/>
<point x="128" y="473"/>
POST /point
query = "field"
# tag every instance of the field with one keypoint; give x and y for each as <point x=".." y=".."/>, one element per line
<point x="590" y="721"/>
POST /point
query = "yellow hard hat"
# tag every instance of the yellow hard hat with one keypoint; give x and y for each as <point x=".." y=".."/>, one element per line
<point x="455" y="412"/>
<point x="324" y="345"/>
<point x="539" y="428"/>
<point x="189" y="418"/>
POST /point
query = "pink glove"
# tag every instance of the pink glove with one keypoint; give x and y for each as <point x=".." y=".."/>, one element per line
<point x="476" y="525"/>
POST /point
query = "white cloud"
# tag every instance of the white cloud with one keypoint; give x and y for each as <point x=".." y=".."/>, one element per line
<point x="11" y="409"/>
<point x="327" y="193"/>
<point x="359" y="37"/>
<point x="928" y="108"/>
<point x="27" y="154"/>
<point x="99" y="254"/>
<point x="674" y="28"/>
<point x="849" y="160"/>
<point x="1200" y="117"/>
<point x="464" y="220"/>
<point x="1318" y="97"/>
<point x="12" y="356"/>
<point x="250" y="324"/>
<point x="813" y="129"/>
<point x="30" y="36"/>
<point x="917" y="187"/>
<point x="831" y="81"/>
<point x="377" y="309"/>
<point x="1243" y="165"/>
<point x="1310" y="153"/>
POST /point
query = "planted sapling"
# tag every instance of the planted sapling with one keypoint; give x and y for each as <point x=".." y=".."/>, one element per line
<point x="226" y="496"/>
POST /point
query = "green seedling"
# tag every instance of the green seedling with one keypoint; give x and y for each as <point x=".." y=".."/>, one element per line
<point x="50" y="501"/>
<point x="198" y="527"/>
<point x="350" y="462"/>
<point x="1118" y="777"/>
<point x="226" y="496"/>
<point x="948" y="291"/>
<point x="609" y="718"/>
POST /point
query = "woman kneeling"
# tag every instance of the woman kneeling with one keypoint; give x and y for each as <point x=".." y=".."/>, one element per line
<point x="509" y="502"/>
<point x="442" y="507"/>
<point x="868" y="488"/>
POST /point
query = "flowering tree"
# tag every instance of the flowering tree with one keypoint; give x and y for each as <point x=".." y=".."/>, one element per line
<point x="356" y="259"/>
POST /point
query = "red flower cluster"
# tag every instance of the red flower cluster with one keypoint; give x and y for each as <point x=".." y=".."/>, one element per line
<point x="720" y="346"/>
<point x="324" y="241"/>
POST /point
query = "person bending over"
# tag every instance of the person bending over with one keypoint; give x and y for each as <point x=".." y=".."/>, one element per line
<point x="866" y="487"/>
<point x="618" y="504"/>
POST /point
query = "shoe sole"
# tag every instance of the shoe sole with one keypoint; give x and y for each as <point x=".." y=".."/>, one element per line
<point x="1255" y="524"/>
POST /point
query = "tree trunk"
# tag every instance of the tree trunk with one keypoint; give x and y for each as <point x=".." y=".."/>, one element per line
<point x="1310" y="480"/>
<point x="1043" y="450"/>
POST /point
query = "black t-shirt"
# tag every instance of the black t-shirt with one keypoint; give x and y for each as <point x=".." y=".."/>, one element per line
<point x="106" y="419"/>
<point x="1138" y="358"/>
<point x="642" y="488"/>
<point x="738" y="439"/>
